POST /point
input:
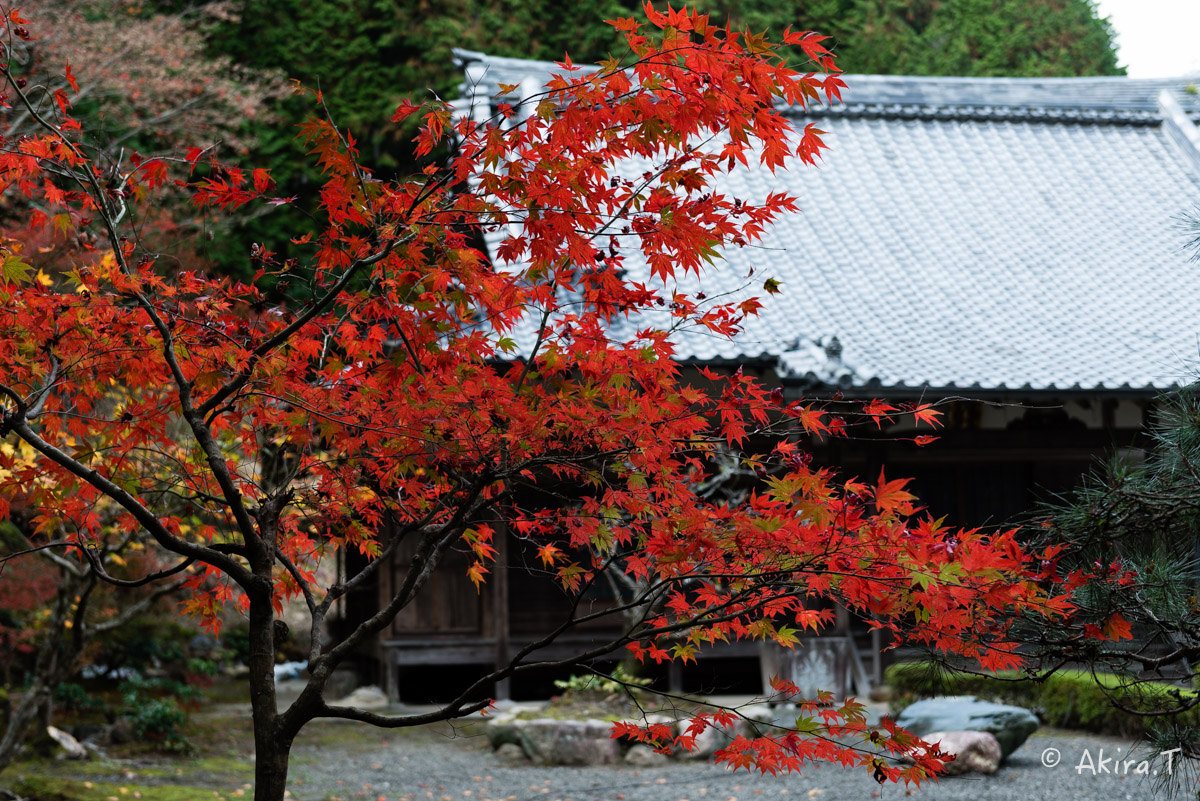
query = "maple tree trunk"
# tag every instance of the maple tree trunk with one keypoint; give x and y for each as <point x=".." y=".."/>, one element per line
<point x="271" y="750"/>
<point x="271" y="756"/>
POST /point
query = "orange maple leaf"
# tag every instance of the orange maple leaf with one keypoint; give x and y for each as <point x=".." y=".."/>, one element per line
<point x="1118" y="628"/>
<point x="890" y="496"/>
<point x="925" y="413"/>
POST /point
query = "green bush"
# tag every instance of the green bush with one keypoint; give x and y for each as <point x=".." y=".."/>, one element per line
<point x="187" y="695"/>
<point x="74" y="698"/>
<point x="159" y="721"/>
<point x="1069" y="699"/>
<point x="236" y="639"/>
<point x="600" y="684"/>
<point x="156" y="709"/>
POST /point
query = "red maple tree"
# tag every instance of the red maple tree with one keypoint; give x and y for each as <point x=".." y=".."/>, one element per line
<point x="409" y="396"/>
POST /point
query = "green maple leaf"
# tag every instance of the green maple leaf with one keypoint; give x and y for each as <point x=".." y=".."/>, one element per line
<point x="14" y="271"/>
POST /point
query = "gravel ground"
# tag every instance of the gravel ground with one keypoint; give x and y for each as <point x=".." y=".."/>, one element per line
<point x="457" y="766"/>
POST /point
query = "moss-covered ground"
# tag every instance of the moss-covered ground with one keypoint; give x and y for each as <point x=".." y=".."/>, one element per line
<point x="219" y="765"/>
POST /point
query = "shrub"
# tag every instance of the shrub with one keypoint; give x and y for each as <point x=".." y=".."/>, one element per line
<point x="236" y="639"/>
<point x="156" y="709"/>
<point x="159" y="721"/>
<point x="1071" y="699"/>
<point x="600" y="684"/>
<point x="74" y="698"/>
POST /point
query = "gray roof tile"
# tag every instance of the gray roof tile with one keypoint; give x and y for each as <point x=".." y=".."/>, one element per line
<point x="975" y="234"/>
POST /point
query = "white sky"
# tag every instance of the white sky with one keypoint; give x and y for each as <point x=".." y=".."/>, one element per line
<point x="1157" y="38"/>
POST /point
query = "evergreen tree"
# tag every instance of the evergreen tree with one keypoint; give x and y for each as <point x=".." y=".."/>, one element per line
<point x="366" y="55"/>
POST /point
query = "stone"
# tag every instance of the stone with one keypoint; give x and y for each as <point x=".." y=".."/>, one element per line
<point x="881" y="694"/>
<point x="1010" y="725"/>
<point x="974" y="751"/>
<point x="568" y="742"/>
<point x="653" y="719"/>
<point x="71" y="749"/>
<point x="643" y="756"/>
<point x="760" y="719"/>
<point x="120" y="732"/>
<point x="501" y="732"/>
<point x="511" y="754"/>
<point x="366" y="698"/>
<point x="709" y="741"/>
<point x="341" y="682"/>
<point x="88" y="732"/>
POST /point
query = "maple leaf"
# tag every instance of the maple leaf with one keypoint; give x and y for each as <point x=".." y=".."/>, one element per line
<point x="877" y="410"/>
<point x="624" y="24"/>
<point x="404" y="110"/>
<point x="549" y="554"/>
<point x="890" y="496"/>
<point x="809" y="417"/>
<point x="476" y="573"/>
<point x="925" y="413"/>
<point x="14" y="271"/>
<point x="262" y="181"/>
<point x="1117" y="628"/>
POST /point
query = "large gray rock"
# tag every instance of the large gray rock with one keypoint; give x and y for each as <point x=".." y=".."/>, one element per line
<point x="1010" y="725"/>
<point x="974" y="751"/>
<point x="568" y="742"/>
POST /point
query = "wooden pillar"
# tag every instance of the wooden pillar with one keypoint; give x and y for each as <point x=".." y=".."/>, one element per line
<point x="842" y="626"/>
<point x="674" y="677"/>
<point x="391" y="675"/>
<point x="500" y="622"/>
<point x="877" y="657"/>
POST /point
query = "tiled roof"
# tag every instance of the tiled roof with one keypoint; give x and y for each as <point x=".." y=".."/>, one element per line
<point x="971" y="233"/>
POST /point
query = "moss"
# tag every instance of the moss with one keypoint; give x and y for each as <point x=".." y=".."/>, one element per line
<point x="54" y="788"/>
<point x="215" y="765"/>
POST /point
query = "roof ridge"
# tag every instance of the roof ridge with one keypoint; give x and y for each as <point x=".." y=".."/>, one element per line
<point x="1116" y="98"/>
<point x="1178" y="127"/>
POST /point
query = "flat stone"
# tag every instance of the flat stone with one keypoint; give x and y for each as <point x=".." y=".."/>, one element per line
<point x="1010" y="725"/>
<point x="974" y="751"/>
<point x="568" y="742"/>
<point x="643" y="756"/>
<point x="367" y="698"/>
<point x="502" y="732"/>
<point x="511" y="754"/>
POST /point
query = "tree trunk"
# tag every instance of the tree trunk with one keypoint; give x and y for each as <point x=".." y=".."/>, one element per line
<point x="47" y="674"/>
<point x="271" y="754"/>
<point x="23" y="714"/>
<point x="271" y="751"/>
